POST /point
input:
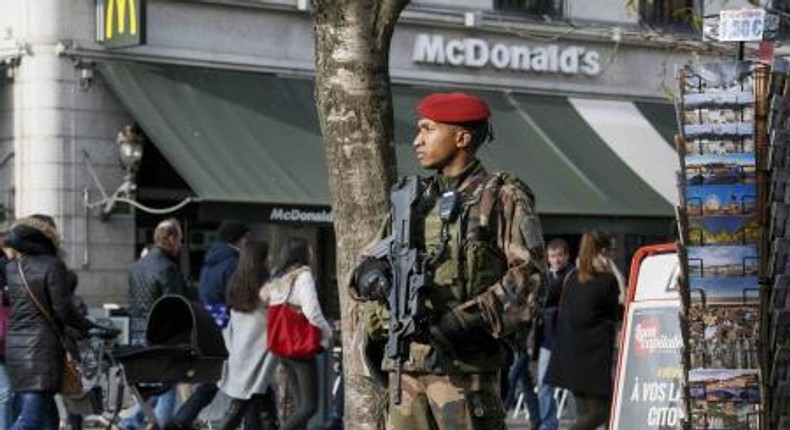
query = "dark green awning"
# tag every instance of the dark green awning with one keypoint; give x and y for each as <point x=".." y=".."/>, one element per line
<point x="249" y="137"/>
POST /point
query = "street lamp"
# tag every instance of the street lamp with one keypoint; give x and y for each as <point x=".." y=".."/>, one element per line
<point x="130" y="140"/>
<point x="130" y="153"/>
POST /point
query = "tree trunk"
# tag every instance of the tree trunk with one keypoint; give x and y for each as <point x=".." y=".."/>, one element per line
<point x="352" y="89"/>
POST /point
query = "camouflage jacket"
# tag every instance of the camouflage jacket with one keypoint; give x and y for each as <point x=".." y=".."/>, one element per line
<point x="492" y="279"/>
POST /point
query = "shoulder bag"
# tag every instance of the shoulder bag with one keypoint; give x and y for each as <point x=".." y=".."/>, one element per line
<point x="289" y="333"/>
<point x="71" y="381"/>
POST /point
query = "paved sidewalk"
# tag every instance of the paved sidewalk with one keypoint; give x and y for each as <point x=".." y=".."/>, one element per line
<point x="521" y="423"/>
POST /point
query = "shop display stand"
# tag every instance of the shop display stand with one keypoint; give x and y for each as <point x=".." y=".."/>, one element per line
<point x="722" y="118"/>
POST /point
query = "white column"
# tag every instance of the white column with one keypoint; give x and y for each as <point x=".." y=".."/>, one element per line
<point x="55" y="121"/>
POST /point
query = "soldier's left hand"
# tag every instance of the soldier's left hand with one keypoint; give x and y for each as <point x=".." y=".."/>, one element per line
<point x="445" y="330"/>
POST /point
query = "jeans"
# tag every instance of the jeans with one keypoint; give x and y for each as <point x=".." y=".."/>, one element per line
<point x="37" y="411"/>
<point x="6" y="397"/>
<point x="548" y="407"/>
<point x="259" y="413"/>
<point x="203" y="396"/>
<point x="306" y="375"/>
<point x="163" y="408"/>
<point x="519" y="373"/>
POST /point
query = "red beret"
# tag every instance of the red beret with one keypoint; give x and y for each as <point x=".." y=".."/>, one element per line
<point x="453" y="108"/>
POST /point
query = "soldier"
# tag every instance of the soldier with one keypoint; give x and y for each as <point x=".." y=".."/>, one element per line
<point x="486" y="287"/>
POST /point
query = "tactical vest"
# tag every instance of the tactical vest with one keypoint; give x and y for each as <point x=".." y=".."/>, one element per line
<point x="473" y="261"/>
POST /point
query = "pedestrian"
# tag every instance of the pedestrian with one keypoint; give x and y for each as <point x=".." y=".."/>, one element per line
<point x="6" y="394"/>
<point x="41" y="310"/>
<point x="558" y="254"/>
<point x="582" y="358"/>
<point x="519" y="380"/>
<point x="218" y="266"/>
<point x="151" y="277"/>
<point x="250" y="365"/>
<point x="292" y="282"/>
<point x="480" y="294"/>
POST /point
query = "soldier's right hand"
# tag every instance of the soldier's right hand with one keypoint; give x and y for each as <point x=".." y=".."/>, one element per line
<point x="371" y="281"/>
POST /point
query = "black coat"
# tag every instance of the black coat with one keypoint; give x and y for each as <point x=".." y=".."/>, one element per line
<point x="582" y="358"/>
<point x="34" y="353"/>
<point x="150" y="278"/>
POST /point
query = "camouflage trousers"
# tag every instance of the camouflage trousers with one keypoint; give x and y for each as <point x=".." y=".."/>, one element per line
<point x="447" y="402"/>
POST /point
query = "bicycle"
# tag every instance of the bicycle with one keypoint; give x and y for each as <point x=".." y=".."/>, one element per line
<point x="104" y="391"/>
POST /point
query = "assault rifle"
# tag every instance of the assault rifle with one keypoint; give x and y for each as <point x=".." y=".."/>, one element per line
<point x="398" y="271"/>
<point x="398" y="267"/>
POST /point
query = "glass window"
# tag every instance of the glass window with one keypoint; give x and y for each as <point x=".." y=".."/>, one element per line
<point x="551" y="8"/>
<point x="676" y="14"/>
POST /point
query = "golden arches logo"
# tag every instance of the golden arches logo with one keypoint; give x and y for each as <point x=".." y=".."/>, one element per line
<point x="117" y="9"/>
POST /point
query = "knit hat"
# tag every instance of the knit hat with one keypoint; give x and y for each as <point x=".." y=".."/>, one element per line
<point x="230" y="231"/>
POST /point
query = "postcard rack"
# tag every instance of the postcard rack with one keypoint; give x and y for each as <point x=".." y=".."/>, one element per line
<point x="721" y="119"/>
<point x="775" y="338"/>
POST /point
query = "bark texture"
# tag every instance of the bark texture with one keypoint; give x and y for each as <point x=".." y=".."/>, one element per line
<point x="352" y="43"/>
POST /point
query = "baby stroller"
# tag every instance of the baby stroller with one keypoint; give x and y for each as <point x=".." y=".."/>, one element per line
<point x="183" y="345"/>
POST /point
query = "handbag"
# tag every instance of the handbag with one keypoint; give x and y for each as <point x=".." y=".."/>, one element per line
<point x="71" y="379"/>
<point x="289" y="333"/>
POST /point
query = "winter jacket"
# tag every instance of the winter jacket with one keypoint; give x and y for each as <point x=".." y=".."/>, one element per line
<point x="34" y="353"/>
<point x="582" y="358"/>
<point x="250" y="365"/>
<point x="547" y="327"/>
<point x="150" y="278"/>
<point x="220" y="262"/>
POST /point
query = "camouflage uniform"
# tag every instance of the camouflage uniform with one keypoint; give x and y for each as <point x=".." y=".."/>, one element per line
<point x="492" y="282"/>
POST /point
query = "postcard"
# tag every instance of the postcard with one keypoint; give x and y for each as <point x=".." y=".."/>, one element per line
<point x="720" y="169"/>
<point x="780" y="291"/>
<point x="707" y="145"/>
<point x="733" y="199"/>
<point x="718" y="115"/>
<point x="716" y="130"/>
<point x="718" y="99"/>
<point x="717" y="77"/>
<point x="707" y="415"/>
<point x="724" y="336"/>
<point x="725" y="384"/>
<point x="778" y="223"/>
<point x="724" y="274"/>
<point x="778" y="260"/>
<point x="723" y="261"/>
<point x="723" y="230"/>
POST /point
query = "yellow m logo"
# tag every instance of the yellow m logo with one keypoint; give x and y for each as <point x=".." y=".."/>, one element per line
<point x="117" y="9"/>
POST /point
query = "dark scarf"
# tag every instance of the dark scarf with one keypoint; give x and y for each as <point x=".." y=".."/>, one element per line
<point x="30" y="241"/>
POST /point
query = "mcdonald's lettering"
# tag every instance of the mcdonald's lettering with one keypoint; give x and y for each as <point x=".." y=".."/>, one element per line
<point x="123" y="22"/>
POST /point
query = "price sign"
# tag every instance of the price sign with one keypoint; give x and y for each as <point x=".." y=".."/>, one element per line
<point x="743" y="25"/>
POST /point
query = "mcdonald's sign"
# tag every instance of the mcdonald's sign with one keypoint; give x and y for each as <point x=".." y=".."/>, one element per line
<point x="120" y="23"/>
